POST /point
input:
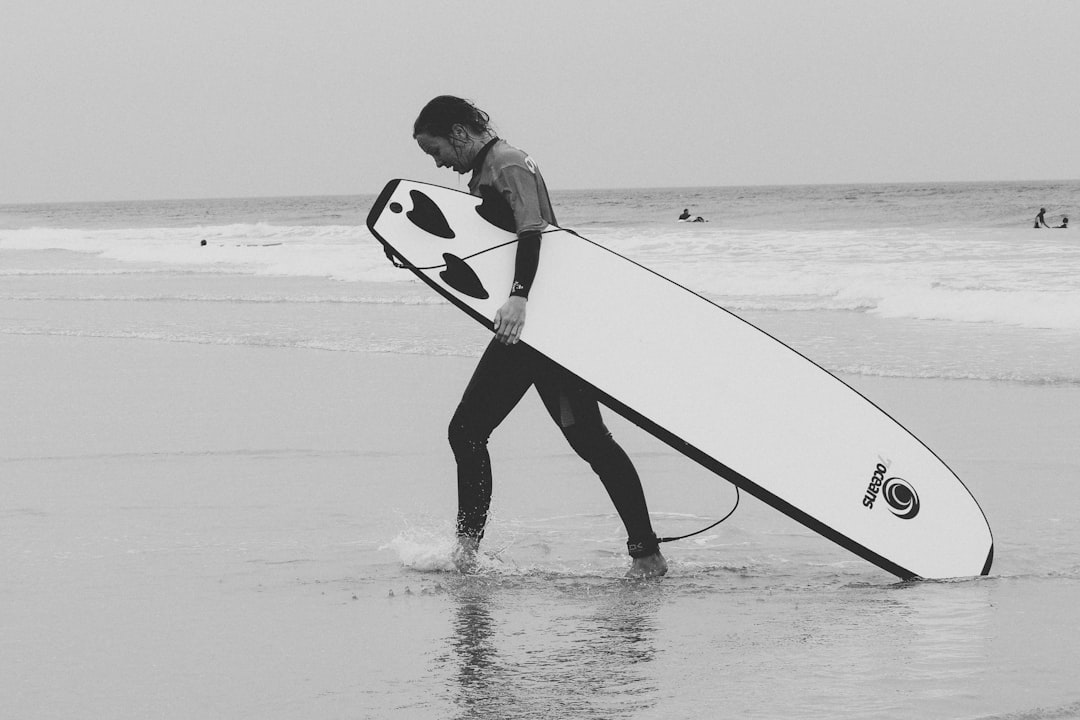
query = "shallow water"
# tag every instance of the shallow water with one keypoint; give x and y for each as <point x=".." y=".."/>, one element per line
<point x="719" y="641"/>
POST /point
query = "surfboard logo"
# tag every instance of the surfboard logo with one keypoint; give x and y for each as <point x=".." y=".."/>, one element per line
<point x="902" y="499"/>
<point x="874" y="487"/>
<point x="899" y="495"/>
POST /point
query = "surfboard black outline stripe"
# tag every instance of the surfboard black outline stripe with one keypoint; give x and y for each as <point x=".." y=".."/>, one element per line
<point x="678" y="443"/>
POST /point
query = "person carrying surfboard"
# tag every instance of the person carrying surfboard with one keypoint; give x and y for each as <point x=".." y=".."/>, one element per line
<point x="458" y="135"/>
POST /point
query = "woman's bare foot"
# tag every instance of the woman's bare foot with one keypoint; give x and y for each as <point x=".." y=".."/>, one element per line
<point x="648" y="567"/>
<point x="464" y="555"/>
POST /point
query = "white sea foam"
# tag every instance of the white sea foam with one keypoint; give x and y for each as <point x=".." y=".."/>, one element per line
<point x="424" y="550"/>
<point x="336" y="251"/>
<point x="972" y="275"/>
<point x="1054" y="310"/>
<point x="207" y="298"/>
<point x="977" y="275"/>
<point x="801" y="256"/>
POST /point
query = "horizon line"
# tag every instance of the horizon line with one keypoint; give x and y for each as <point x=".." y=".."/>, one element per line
<point x="553" y="190"/>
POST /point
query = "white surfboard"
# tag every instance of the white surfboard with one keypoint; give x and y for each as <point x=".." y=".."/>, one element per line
<point x="703" y="380"/>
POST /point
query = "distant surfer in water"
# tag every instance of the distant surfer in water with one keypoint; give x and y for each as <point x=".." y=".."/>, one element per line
<point x="685" y="217"/>
<point x="1040" y="219"/>
<point x="1064" y="223"/>
<point x="458" y="136"/>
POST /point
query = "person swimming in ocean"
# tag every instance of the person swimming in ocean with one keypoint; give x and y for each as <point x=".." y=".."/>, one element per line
<point x="1064" y="223"/>
<point x="685" y="214"/>
<point x="1040" y="219"/>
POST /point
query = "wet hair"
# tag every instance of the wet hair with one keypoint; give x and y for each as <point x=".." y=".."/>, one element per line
<point x="443" y="112"/>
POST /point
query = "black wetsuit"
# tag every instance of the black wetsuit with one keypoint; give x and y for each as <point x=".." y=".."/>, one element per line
<point x="505" y="373"/>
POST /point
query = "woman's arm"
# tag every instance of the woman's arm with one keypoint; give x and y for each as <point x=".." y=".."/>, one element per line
<point x="510" y="319"/>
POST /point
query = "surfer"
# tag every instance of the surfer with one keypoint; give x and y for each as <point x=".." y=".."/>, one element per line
<point x="1064" y="223"/>
<point x="457" y="135"/>
<point x="685" y="214"/>
<point x="1040" y="220"/>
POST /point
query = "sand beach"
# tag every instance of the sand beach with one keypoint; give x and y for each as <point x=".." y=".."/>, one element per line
<point x="208" y="531"/>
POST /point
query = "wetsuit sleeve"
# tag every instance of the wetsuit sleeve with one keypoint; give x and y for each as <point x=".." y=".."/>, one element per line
<point x="526" y="262"/>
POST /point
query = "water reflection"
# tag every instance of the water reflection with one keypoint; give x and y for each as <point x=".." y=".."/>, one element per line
<point x="581" y="650"/>
<point x="593" y="648"/>
<point x="478" y="674"/>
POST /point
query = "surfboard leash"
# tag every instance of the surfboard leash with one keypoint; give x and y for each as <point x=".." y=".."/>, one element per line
<point x="402" y="264"/>
<point x="738" y="496"/>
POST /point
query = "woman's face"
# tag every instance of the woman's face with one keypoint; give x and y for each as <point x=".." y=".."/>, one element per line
<point x="444" y="152"/>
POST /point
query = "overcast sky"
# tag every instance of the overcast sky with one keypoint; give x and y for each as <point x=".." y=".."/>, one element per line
<point x="141" y="99"/>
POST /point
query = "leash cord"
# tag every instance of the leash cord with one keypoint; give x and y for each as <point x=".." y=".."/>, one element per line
<point x="731" y="512"/>
<point x="405" y="265"/>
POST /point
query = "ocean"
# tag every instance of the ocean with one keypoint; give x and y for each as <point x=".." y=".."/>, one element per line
<point x="904" y="280"/>
<point x="938" y="295"/>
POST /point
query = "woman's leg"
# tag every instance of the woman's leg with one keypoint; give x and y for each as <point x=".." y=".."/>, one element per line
<point x="501" y="378"/>
<point x="574" y="408"/>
